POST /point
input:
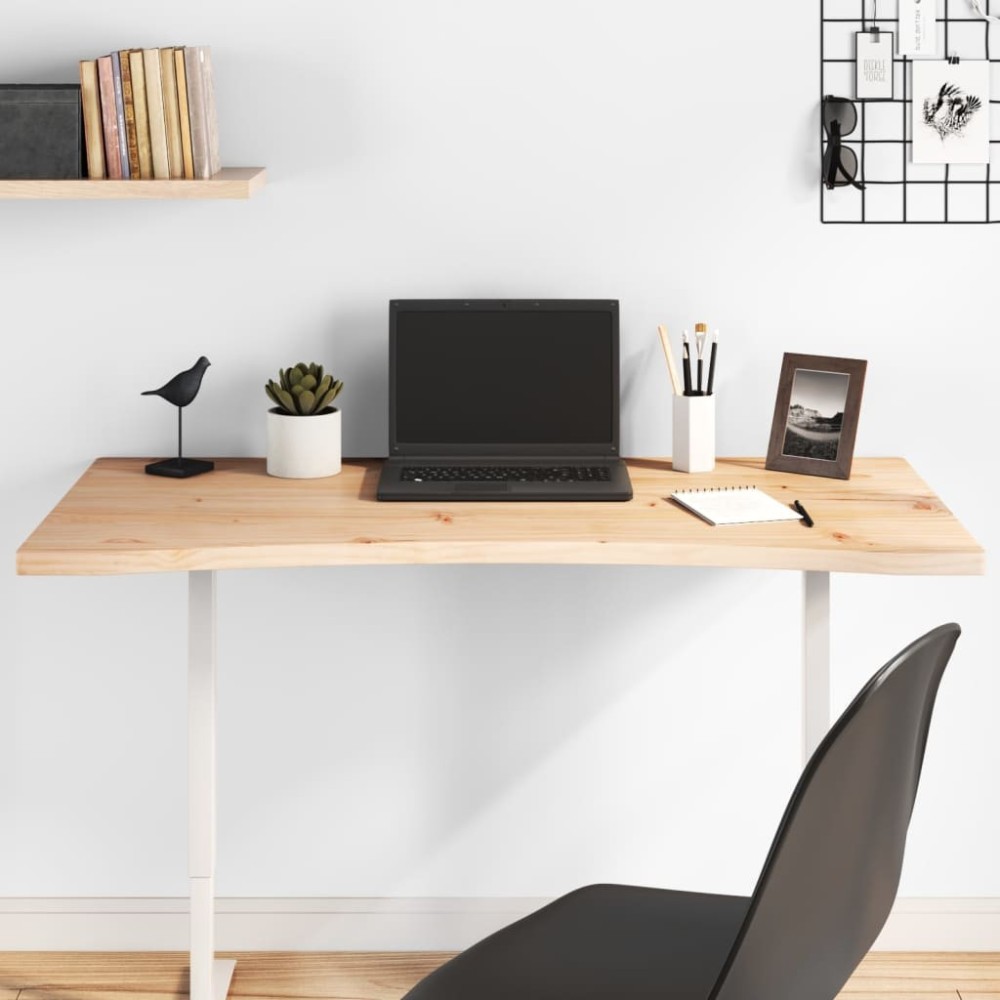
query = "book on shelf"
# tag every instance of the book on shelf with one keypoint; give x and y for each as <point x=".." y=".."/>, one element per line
<point x="211" y="118"/>
<point x="145" y="149"/>
<point x="180" y="72"/>
<point x="195" y="79"/>
<point x="201" y="104"/>
<point x="151" y="114"/>
<point x="93" y="126"/>
<point x="171" y="114"/>
<point x="109" y="118"/>
<point x="116" y="74"/>
<point x="157" y="121"/>
<point x="128" y="102"/>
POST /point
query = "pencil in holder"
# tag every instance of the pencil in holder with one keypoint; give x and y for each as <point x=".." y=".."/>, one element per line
<point x="694" y="433"/>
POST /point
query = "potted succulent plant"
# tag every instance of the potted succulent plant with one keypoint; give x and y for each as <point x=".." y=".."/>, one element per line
<point x="303" y="427"/>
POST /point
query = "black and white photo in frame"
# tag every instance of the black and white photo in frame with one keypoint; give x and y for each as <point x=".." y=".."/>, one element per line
<point x="816" y="414"/>
<point x="951" y="111"/>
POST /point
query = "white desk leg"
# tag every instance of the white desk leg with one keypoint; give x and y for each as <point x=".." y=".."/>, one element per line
<point x="815" y="660"/>
<point x="209" y="978"/>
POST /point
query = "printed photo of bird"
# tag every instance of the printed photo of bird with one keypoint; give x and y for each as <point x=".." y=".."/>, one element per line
<point x="184" y="386"/>
<point x="950" y="112"/>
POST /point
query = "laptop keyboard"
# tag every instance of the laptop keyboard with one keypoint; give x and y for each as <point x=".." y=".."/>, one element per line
<point x="505" y="473"/>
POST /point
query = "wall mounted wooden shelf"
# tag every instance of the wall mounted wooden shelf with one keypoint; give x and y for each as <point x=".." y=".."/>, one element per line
<point x="230" y="182"/>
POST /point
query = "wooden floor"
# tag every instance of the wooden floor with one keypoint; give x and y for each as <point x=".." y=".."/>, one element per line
<point x="388" y="975"/>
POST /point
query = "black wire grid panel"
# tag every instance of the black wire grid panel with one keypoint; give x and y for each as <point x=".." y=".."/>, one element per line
<point x="897" y="190"/>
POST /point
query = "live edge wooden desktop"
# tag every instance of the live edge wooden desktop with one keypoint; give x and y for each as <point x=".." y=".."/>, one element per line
<point x="116" y="519"/>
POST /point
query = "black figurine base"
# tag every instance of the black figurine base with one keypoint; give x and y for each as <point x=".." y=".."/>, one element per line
<point x="179" y="468"/>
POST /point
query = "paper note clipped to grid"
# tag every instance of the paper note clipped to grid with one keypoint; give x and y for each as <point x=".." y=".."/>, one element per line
<point x="951" y="111"/>
<point x="734" y="505"/>
<point x="873" y="59"/>
<point x="918" y="27"/>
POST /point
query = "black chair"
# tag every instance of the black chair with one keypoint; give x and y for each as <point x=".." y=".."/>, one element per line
<point x="824" y="893"/>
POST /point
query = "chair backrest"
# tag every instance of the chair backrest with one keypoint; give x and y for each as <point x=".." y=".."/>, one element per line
<point x="833" y="869"/>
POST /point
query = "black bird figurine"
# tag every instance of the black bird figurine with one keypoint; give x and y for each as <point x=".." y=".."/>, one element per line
<point x="181" y="390"/>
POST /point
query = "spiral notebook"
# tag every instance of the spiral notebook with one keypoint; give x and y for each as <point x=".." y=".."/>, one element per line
<point x="734" y="505"/>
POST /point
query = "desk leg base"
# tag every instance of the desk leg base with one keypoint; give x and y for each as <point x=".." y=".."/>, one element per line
<point x="222" y="977"/>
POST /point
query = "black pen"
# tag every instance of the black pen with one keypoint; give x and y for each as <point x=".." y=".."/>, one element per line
<point x="806" y="519"/>
<point x="711" y="364"/>
<point x="687" y="365"/>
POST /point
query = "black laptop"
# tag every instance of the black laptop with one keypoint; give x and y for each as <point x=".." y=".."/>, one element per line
<point x="503" y="400"/>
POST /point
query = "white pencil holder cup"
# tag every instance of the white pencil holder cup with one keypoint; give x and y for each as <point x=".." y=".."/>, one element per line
<point x="694" y="433"/>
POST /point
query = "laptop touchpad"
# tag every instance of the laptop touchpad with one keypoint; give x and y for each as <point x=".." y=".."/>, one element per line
<point x="482" y="487"/>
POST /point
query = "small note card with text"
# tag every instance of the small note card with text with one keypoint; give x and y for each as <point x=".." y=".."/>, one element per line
<point x="918" y="28"/>
<point x="874" y="63"/>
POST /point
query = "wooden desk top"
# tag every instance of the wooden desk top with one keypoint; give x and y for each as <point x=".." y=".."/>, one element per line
<point x="116" y="519"/>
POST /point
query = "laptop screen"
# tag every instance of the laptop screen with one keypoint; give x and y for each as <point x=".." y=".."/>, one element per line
<point x="492" y="377"/>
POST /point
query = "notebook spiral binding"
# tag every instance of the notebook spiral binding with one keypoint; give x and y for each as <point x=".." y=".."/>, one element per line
<point x="718" y="489"/>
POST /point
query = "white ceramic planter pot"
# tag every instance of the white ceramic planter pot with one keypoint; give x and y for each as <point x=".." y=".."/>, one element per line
<point x="303" y="447"/>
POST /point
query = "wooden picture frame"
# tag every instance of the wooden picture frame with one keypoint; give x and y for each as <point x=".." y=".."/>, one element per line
<point x="816" y="415"/>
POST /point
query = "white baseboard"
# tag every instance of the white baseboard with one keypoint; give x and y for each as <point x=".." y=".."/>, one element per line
<point x="443" y="924"/>
<point x="942" y="924"/>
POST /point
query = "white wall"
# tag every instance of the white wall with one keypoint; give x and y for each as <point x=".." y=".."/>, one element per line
<point x="513" y="731"/>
